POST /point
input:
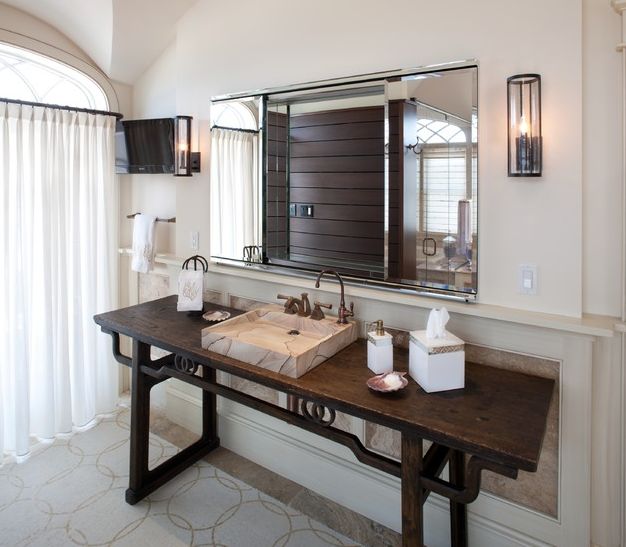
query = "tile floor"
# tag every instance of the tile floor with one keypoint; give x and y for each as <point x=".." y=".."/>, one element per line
<point x="348" y="523"/>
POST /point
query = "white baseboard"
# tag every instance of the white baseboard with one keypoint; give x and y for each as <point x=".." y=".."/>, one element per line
<point x="332" y="471"/>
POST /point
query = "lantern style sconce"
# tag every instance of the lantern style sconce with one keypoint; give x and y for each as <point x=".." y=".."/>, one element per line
<point x="524" y="119"/>
<point x="182" y="146"/>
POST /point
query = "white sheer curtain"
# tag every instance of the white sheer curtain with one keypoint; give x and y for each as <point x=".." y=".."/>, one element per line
<point x="58" y="226"/>
<point x="235" y="216"/>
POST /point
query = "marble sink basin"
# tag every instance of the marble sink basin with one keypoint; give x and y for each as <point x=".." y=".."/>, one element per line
<point x="267" y="338"/>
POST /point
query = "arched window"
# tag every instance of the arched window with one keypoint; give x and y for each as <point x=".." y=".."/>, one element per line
<point x="29" y="76"/>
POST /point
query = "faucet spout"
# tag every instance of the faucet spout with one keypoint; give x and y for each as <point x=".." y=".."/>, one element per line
<point x="343" y="312"/>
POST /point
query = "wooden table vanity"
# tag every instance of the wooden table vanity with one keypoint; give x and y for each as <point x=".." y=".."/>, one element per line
<point x="497" y="422"/>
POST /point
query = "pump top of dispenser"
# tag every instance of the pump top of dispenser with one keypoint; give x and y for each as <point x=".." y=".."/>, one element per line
<point x="380" y="329"/>
<point x="379" y="337"/>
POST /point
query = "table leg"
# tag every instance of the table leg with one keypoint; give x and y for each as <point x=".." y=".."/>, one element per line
<point x="412" y="511"/>
<point x="209" y="409"/>
<point x="458" y="511"/>
<point x="139" y="422"/>
<point x="143" y="481"/>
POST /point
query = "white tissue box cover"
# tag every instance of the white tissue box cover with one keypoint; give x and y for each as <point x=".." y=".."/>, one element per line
<point x="379" y="353"/>
<point x="437" y="364"/>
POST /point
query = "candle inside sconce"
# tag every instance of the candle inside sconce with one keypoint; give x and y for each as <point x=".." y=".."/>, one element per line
<point x="182" y="155"/>
<point x="528" y="154"/>
<point x="182" y="146"/>
<point x="525" y="147"/>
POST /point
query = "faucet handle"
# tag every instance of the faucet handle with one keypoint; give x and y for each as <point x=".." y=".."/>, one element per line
<point x="317" y="312"/>
<point x="344" y="313"/>
<point x="288" y="304"/>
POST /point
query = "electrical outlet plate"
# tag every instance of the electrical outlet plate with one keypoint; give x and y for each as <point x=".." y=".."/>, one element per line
<point x="195" y="241"/>
<point x="306" y="211"/>
<point x="527" y="279"/>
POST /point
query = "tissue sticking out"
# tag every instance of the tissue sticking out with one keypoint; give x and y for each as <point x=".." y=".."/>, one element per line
<point x="437" y="321"/>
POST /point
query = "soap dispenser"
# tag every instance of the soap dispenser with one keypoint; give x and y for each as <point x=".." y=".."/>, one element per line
<point x="379" y="350"/>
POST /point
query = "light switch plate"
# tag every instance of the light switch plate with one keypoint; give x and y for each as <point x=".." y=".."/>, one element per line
<point x="527" y="279"/>
<point x="195" y="241"/>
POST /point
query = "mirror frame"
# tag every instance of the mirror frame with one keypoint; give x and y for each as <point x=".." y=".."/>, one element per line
<point x="309" y="273"/>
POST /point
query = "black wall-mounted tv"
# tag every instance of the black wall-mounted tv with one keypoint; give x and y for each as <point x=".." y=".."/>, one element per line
<point x="144" y="146"/>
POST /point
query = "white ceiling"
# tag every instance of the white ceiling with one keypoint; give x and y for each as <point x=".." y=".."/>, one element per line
<point x="123" y="37"/>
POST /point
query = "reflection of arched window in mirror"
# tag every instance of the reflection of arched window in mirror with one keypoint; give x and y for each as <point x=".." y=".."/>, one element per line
<point x="446" y="175"/>
<point x="235" y="188"/>
<point x="28" y="76"/>
<point x="234" y="115"/>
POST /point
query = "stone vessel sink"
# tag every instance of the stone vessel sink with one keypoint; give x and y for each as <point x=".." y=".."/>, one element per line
<point x="273" y="340"/>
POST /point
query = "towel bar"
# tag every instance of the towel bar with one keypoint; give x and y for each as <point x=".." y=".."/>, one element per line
<point x="173" y="219"/>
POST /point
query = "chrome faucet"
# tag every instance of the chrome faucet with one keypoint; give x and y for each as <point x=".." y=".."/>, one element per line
<point x="293" y="305"/>
<point x="343" y="313"/>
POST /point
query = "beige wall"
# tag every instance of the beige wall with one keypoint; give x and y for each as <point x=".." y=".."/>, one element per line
<point x="602" y="151"/>
<point x="566" y="222"/>
<point x="536" y="221"/>
<point x="154" y="96"/>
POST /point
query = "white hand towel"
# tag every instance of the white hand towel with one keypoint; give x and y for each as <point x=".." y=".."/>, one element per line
<point x="190" y="290"/>
<point x="144" y="243"/>
<point x="436" y="326"/>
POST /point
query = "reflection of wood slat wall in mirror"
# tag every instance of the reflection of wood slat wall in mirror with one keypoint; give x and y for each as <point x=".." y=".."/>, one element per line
<point x="276" y="239"/>
<point x="337" y="165"/>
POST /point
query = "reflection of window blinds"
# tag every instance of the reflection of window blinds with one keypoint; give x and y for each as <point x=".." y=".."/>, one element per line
<point x="444" y="185"/>
<point x="474" y="191"/>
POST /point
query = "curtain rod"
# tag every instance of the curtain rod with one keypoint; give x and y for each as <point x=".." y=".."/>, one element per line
<point x="59" y="107"/>
<point x="235" y="129"/>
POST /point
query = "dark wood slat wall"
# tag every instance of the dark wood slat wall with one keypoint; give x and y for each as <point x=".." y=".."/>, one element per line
<point x="337" y="165"/>
<point x="276" y="190"/>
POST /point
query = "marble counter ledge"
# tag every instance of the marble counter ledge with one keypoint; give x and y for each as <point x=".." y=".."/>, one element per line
<point x="589" y="324"/>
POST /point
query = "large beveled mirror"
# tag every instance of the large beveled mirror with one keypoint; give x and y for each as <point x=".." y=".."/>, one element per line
<point x="373" y="176"/>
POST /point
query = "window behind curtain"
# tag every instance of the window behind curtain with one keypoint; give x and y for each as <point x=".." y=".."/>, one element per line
<point x="29" y="76"/>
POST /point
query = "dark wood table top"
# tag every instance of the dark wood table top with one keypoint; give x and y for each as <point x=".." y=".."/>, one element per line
<point x="500" y="415"/>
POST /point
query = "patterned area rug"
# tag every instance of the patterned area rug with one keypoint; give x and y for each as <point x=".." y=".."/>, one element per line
<point x="71" y="492"/>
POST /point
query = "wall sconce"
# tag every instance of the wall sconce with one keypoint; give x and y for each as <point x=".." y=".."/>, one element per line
<point x="182" y="146"/>
<point x="524" y="130"/>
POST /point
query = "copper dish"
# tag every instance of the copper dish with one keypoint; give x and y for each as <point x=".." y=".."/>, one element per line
<point x="381" y="383"/>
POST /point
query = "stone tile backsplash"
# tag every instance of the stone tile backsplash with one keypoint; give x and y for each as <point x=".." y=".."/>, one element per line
<point x="153" y="286"/>
<point x="214" y="297"/>
<point x="244" y="303"/>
